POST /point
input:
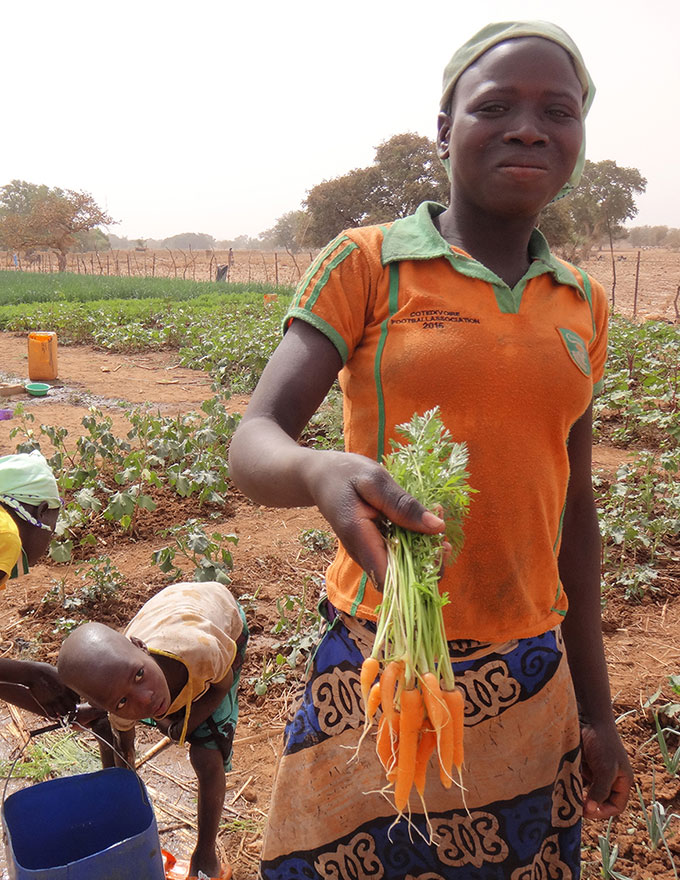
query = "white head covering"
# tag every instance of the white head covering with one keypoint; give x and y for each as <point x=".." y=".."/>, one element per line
<point x="26" y="478"/>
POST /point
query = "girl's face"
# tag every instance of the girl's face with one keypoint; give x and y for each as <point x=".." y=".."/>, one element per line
<point x="515" y="129"/>
<point x="35" y="541"/>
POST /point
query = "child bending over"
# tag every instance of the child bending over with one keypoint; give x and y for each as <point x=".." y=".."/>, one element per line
<point x="177" y="663"/>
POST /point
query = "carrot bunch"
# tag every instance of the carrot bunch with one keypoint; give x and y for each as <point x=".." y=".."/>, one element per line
<point x="408" y="674"/>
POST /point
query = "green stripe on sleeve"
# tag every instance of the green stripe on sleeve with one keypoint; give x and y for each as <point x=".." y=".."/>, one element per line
<point x="393" y="303"/>
<point x="332" y="264"/>
<point x="315" y="265"/>
<point x="321" y="325"/>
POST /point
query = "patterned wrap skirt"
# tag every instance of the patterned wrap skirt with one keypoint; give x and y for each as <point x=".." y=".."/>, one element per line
<point x="521" y="819"/>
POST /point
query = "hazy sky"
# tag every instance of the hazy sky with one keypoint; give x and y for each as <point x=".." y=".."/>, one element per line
<point x="217" y="117"/>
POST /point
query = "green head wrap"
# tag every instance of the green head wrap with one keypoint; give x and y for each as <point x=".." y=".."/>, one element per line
<point x="499" y="32"/>
<point x="26" y="478"/>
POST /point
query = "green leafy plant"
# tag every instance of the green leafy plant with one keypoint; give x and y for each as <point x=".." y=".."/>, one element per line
<point x="102" y="581"/>
<point x="639" y="520"/>
<point x="64" y="625"/>
<point x="273" y="672"/>
<point x="318" y="540"/>
<point x="211" y="561"/>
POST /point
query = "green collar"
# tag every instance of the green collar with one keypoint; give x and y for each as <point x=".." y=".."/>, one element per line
<point x="416" y="238"/>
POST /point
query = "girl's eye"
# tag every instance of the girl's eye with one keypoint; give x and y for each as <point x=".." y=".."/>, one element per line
<point x="492" y="108"/>
<point x="139" y="675"/>
<point x="121" y="703"/>
<point x="561" y="113"/>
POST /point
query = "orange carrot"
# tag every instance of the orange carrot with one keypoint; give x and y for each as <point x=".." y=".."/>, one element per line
<point x="386" y="743"/>
<point x="412" y="714"/>
<point x="438" y="714"/>
<point x="392" y="673"/>
<point x="373" y="701"/>
<point x="455" y="700"/>
<point x="369" y="672"/>
<point x="426" y="746"/>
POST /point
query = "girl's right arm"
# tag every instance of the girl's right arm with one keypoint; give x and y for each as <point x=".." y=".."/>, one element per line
<point x="266" y="462"/>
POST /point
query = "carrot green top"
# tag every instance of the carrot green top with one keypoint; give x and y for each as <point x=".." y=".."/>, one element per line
<point x="419" y="324"/>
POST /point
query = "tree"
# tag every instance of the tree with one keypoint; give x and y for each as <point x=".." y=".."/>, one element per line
<point x="337" y="204"/>
<point x="406" y="171"/>
<point x="602" y="201"/>
<point x="92" y="240"/>
<point x="410" y="173"/>
<point x="33" y="216"/>
<point x="288" y="232"/>
<point x="195" y="240"/>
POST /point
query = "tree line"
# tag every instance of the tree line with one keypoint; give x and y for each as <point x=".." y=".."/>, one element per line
<point x="405" y="172"/>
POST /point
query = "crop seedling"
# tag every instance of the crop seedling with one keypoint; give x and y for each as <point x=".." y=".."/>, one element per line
<point x="609" y="853"/>
<point x="299" y="624"/>
<point x="318" y="540"/>
<point x="671" y="759"/>
<point x="410" y="656"/>
<point x="102" y="581"/>
<point x="657" y="822"/>
<point x="273" y="672"/>
<point x="211" y="561"/>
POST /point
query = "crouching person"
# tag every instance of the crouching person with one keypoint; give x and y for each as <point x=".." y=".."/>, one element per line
<point x="178" y="663"/>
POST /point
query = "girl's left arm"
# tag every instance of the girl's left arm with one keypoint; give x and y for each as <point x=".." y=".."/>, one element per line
<point x="607" y="771"/>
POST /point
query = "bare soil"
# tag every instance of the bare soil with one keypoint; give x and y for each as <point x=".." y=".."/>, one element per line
<point x="270" y="562"/>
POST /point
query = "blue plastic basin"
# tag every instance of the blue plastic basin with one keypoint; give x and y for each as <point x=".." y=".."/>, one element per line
<point x="94" y="826"/>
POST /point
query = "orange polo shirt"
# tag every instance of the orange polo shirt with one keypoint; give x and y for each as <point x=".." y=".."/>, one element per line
<point x="418" y="324"/>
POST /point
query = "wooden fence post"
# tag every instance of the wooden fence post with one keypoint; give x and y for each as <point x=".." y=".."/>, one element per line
<point x="637" y="278"/>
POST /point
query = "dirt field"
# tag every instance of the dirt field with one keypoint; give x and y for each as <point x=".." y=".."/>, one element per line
<point x="642" y="641"/>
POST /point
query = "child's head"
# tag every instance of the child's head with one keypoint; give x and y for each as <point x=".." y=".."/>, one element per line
<point x="28" y="491"/>
<point x="113" y="672"/>
<point x="521" y="85"/>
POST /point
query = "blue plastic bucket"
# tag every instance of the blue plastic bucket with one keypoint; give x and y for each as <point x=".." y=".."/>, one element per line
<point x="94" y="826"/>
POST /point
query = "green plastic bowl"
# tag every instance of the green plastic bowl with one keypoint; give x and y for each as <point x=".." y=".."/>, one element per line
<point x="37" y="389"/>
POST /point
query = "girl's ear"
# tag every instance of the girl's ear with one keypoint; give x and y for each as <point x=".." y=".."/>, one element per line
<point x="443" y="135"/>
<point x="138" y="643"/>
<point x="40" y="510"/>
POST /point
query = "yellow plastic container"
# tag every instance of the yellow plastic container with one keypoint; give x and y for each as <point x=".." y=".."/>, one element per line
<point x="42" y="356"/>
